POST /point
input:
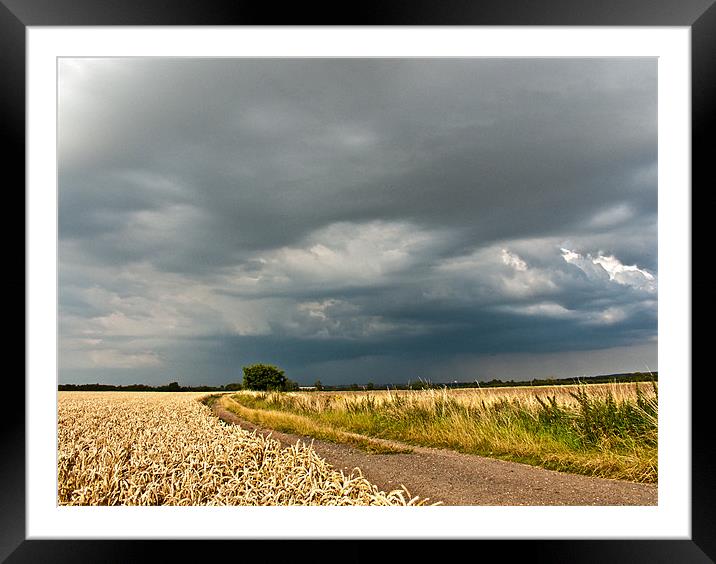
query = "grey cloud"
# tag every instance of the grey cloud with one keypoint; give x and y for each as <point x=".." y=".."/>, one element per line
<point x="442" y="139"/>
<point x="325" y="210"/>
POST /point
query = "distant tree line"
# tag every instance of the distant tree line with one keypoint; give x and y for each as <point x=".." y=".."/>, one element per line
<point x="269" y="377"/>
<point x="171" y="387"/>
<point x="495" y="383"/>
<point x="256" y="377"/>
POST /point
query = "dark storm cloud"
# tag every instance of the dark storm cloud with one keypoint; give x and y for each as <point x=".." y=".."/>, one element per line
<point x="322" y="211"/>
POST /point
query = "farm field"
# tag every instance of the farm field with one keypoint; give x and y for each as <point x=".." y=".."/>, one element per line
<point x="602" y="430"/>
<point x="123" y="448"/>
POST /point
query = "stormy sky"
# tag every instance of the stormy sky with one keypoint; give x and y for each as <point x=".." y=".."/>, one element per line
<point x="356" y="220"/>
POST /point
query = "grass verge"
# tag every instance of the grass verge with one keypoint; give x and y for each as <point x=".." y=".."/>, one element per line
<point x="302" y="425"/>
<point x="591" y="434"/>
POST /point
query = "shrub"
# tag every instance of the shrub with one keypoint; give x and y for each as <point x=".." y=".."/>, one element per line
<point x="264" y="377"/>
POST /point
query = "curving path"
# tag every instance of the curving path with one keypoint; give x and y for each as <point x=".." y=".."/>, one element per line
<point x="464" y="479"/>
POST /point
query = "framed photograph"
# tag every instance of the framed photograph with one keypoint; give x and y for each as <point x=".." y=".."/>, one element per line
<point x="472" y="190"/>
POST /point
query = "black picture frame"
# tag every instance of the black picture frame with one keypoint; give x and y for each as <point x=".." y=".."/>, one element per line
<point x="17" y="15"/>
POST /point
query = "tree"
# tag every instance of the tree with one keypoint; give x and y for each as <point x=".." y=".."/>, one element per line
<point x="318" y="385"/>
<point x="264" y="377"/>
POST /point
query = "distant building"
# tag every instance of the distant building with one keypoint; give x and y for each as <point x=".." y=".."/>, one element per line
<point x="307" y="388"/>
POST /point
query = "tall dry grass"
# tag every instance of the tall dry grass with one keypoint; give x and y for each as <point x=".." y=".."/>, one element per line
<point x="122" y="448"/>
<point x="528" y="396"/>
<point x="607" y="430"/>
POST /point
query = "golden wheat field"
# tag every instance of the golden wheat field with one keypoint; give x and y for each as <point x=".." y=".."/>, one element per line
<point x="162" y="448"/>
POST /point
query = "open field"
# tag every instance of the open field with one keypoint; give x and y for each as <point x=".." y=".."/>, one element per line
<point x="123" y="448"/>
<point x="604" y="430"/>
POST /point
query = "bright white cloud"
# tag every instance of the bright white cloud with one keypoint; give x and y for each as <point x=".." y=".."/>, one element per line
<point x="617" y="270"/>
<point x="342" y="254"/>
<point x="511" y="259"/>
<point x="496" y="274"/>
<point x="611" y="268"/>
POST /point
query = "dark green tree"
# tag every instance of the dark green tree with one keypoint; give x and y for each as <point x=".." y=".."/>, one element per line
<point x="318" y="385"/>
<point x="264" y="377"/>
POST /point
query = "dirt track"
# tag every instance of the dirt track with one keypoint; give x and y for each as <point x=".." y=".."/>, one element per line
<point x="463" y="479"/>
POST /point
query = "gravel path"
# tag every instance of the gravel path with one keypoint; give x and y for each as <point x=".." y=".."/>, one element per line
<point x="465" y="479"/>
